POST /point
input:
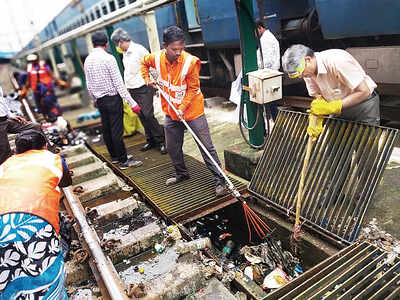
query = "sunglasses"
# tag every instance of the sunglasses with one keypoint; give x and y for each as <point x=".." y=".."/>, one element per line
<point x="299" y="69"/>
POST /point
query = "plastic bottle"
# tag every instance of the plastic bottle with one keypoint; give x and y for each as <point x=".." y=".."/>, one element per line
<point x="226" y="251"/>
<point x="194" y="245"/>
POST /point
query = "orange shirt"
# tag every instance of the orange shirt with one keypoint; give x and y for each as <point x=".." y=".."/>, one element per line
<point x="189" y="99"/>
<point x="338" y="74"/>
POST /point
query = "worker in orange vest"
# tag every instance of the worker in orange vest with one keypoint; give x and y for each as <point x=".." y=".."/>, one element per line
<point x="178" y="81"/>
<point x="41" y="81"/>
<point x="32" y="262"/>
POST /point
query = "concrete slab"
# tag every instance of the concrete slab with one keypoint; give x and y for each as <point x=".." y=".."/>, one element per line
<point x="98" y="187"/>
<point x="88" y="172"/>
<point x="112" y="211"/>
<point x="136" y="242"/>
<point x="74" y="150"/>
<point x="81" y="160"/>
<point x="183" y="280"/>
<point x="242" y="160"/>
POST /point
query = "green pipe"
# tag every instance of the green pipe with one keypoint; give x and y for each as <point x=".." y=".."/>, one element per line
<point x="110" y="30"/>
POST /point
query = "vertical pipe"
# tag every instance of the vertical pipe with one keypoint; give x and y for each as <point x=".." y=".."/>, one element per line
<point x="53" y="62"/>
<point x="66" y="58"/>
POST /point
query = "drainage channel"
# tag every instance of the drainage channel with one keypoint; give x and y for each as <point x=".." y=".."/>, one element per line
<point x="132" y="252"/>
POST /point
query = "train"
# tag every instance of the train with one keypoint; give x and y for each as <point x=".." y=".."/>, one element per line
<point x="368" y="29"/>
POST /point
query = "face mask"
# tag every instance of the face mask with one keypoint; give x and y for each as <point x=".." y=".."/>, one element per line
<point x="299" y="69"/>
<point x="119" y="50"/>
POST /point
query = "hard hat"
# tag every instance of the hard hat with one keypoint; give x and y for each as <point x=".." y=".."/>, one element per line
<point x="32" y="57"/>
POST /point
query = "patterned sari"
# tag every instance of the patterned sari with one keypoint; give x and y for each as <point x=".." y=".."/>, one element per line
<point x="31" y="263"/>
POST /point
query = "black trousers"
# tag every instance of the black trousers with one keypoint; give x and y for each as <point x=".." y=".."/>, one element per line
<point x="174" y="132"/>
<point x="11" y="126"/>
<point x="111" y="112"/>
<point x="152" y="129"/>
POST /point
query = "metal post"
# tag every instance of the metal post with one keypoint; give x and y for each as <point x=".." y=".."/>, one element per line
<point x="109" y="30"/>
<point x="89" y="43"/>
<point x="152" y="32"/>
<point x="248" y="47"/>
<point x="76" y="58"/>
<point x="53" y="62"/>
<point x="66" y="58"/>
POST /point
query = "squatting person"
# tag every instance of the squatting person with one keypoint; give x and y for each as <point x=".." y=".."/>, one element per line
<point x="31" y="259"/>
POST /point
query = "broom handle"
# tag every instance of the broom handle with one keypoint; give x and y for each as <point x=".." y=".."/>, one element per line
<point x="313" y="121"/>
<point x="231" y="187"/>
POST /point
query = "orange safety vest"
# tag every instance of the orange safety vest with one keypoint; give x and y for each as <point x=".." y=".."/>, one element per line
<point x="38" y="75"/>
<point x="174" y="86"/>
<point x="29" y="184"/>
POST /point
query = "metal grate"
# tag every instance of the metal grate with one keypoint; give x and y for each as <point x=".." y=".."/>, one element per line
<point x="360" y="271"/>
<point x="346" y="164"/>
<point x="182" y="202"/>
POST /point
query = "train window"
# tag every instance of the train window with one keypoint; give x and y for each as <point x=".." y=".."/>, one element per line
<point x="92" y="15"/>
<point x="104" y="9"/>
<point x="121" y="3"/>
<point x="131" y="1"/>
<point x="112" y="5"/>
<point x="98" y="14"/>
<point x="87" y="19"/>
<point x="82" y="20"/>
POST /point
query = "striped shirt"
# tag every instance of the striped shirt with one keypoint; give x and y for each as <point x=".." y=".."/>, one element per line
<point x="4" y="109"/>
<point x="103" y="77"/>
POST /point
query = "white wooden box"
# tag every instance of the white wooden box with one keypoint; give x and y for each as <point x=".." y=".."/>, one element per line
<point x="265" y="85"/>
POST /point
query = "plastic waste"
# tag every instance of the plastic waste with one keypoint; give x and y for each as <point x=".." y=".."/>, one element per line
<point x="248" y="271"/>
<point x="226" y="251"/>
<point x="275" y="279"/>
<point x="173" y="232"/>
<point x="159" y="248"/>
<point x="194" y="245"/>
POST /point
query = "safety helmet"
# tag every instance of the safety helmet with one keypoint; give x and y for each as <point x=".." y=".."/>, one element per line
<point x="32" y="57"/>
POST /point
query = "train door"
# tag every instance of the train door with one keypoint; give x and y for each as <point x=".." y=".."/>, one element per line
<point x="191" y="14"/>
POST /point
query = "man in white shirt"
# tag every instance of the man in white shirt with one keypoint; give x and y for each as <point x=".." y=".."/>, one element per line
<point x="270" y="57"/>
<point x="133" y="54"/>
<point x="10" y="123"/>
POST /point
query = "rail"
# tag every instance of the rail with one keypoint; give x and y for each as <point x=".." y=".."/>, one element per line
<point x="104" y="267"/>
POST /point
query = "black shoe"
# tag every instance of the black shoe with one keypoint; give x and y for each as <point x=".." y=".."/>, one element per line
<point x="163" y="149"/>
<point x="146" y="147"/>
<point x="130" y="164"/>
<point x="174" y="180"/>
<point x="220" y="189"/>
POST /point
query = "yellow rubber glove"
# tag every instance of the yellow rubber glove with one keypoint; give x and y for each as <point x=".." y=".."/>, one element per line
<point x="314" y="128"/>
<point x="322" y="107"/>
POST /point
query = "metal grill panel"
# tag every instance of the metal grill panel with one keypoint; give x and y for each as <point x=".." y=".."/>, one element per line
<point x="180" y="202"/>
<point x="360" y="271"/>
<point x="346" y="164"/>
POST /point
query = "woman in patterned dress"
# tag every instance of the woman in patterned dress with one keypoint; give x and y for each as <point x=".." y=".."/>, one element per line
<point x="31" y="262"/>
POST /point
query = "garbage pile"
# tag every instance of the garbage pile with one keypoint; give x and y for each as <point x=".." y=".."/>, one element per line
<point x="14" y="105"/>
<point x="227" y="256"/>
<point x="377" y="237"/>
<point x="60" y="133"/>
<point x="87" y="116"/>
